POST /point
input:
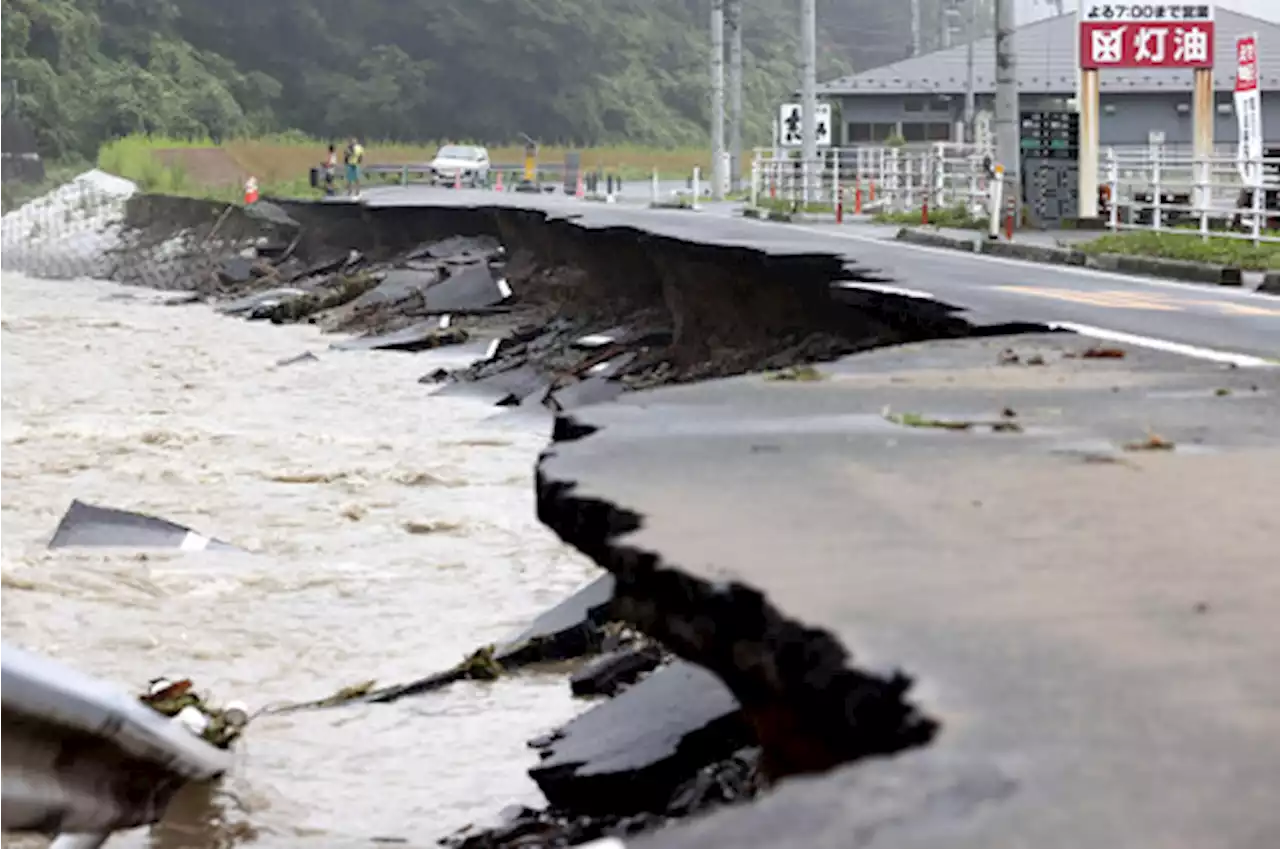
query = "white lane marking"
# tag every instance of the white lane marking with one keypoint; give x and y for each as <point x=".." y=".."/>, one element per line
<point x="1241" y="360"/>
<point x="885" y="289"/>
<point x="504" y="287"/>
<point x="1023" y="263"/>
<point x="492" y="351"/>
<point x="603" y="843"/>
<point x="193" y="542"/>
<point x="595" y="340"/>
<point x="445" y="321"/>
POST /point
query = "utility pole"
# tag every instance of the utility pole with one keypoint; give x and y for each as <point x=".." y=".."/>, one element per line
<point x="945" y="10"/>
<point x="734" y="22"/>
<point x="717" y="100"/>
<point x="1006" y="106"/>
<point x="970" y="93"/>
<point x="915" y="27"/>
<point x="808" y="90"/>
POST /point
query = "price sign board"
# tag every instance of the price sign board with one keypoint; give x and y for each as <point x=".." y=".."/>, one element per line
<point x="1146" y="35"/>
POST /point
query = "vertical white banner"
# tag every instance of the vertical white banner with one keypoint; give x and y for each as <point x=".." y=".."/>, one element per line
<point x="1248" y="103"/>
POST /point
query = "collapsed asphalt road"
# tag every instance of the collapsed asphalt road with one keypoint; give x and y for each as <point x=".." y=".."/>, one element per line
<point x="859" y="520"/>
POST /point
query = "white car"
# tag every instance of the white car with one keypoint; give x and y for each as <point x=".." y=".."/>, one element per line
<point x="470" y="162"/>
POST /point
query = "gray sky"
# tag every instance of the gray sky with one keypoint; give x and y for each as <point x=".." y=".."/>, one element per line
<point x="1268" y="10"/>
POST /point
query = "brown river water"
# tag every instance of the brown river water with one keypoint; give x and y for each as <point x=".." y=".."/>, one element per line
<point x="320" y="469"/>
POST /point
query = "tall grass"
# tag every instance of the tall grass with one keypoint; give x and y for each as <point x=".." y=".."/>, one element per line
<point x="282" y="162"/>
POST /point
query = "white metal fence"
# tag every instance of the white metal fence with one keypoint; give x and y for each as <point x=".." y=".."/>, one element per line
<point x="1158" y="190"/>
<point x="873" y="179"/>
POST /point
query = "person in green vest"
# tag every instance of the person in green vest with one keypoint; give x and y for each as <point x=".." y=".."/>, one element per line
<point x="353" y="157"/>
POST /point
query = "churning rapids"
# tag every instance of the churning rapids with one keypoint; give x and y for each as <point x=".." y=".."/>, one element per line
<point x="392" y="533"/>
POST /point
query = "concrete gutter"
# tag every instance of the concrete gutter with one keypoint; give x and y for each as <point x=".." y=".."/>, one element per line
<point x="1194" y="272"/>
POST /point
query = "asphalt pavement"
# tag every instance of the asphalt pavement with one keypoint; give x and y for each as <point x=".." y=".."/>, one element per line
<point x="1233" y="325"/>
<point x="1085" y="601"/>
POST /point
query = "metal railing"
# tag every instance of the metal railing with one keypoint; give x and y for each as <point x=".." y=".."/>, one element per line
<point x="877" y="179"/>
<point x="1214" y="195"/>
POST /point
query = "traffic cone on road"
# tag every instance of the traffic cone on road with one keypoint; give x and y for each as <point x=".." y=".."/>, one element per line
<point x="580" y="192"/>
<point x="250" y="191"/>
<point x="497" y="187"/>
<point x="457" y="179"/>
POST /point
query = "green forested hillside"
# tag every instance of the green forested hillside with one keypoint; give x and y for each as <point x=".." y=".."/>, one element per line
<point x="585" y="71"/>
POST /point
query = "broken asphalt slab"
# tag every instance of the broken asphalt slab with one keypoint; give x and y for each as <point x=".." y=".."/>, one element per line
<point x="89" y="526"/>
<point x="1082" y="620"/>
<point x="570" y="629"/>
<point x="630" y="753"/>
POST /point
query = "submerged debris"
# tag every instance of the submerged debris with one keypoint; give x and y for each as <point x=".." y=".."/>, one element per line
<point x="1153" y="442"/>
<point x="178" y="700"/>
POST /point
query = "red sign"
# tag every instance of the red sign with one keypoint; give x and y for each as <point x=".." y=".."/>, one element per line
<point x="1149" y="44"/>
<point x="1247" y="64"/>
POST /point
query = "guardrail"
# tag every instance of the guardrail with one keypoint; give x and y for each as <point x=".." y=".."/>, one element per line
<point x="84" y="759"/>
<point x="1215" y="195"/>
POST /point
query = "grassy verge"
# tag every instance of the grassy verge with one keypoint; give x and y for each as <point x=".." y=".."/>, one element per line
<point x="947" y="216"/>
<point x="282" y="163"/>
<point x="1215" y="249"/>
<point x="781" y="205"/>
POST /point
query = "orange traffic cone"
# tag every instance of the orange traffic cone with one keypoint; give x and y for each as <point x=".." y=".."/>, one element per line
<point x="497" y="187"/>
<point x="250" y="191"/>
<point x="457" y="179"/>
<point x="580" y="191"/>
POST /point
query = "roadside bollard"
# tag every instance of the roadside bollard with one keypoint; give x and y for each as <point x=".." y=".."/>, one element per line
<point x="857" y="200"/>
<point x="924" y="212"/>
<point x="839" y="204"/>
<point x="653" y="185"/>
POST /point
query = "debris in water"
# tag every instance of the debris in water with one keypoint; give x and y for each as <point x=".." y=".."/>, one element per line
<point x="178" y="700"/>
<point x="412" y="527"/>
<point x="1153" y="442"/>
<point x="87" y="525"/>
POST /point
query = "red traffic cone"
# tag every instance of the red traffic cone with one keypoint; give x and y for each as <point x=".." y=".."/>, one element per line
<point x="497" y="186"/>
<point x="580" y="191"/>
<point x="250" y="191"/>
<point x="457" y="179"/>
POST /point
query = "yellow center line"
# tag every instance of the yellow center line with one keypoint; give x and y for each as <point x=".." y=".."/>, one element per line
<point x="1109" y="299"/>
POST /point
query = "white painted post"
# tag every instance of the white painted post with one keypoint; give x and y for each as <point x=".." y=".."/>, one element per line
<point x="1113" y="183"/>
<point x="697" y="185"/>
<point x="909" y="193"/>
<point x="1157" y="200"/>
<point x="1202" y="172"/>
<point x="995" y="195"/>
<point x="835" y="178"/>
<point x="1258" y="202"/>
<point x="653" y="186"/>
<point x="754" y="188"/>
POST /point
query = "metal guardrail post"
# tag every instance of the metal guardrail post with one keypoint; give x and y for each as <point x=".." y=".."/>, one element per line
<point x="1113" y="187"/>
<point x="1259" y="202"/>
<point x="1203" y="177"/>
<point x="835" y="177"/>
<point x="1157" y="194"/>
<point x="753" y="191"/>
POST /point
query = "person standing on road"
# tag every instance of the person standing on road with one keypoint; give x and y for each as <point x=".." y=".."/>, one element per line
<point x="353" y="157"/>
<point x="330" y="171"/>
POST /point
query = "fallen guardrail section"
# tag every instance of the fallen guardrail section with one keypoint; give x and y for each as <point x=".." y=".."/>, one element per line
<point x="83" y="759"/>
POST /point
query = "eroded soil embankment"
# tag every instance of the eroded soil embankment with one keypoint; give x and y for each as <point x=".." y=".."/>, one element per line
<point x="664" y="310"/>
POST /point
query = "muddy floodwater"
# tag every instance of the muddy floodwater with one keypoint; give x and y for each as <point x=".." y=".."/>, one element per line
<point x="390" y="534"/>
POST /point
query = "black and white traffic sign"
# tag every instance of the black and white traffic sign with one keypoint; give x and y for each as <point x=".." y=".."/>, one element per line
<point x="791" y="125"/>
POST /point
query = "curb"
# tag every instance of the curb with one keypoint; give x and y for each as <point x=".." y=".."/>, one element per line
<point x="1195" y="272"/>
<point x="1270" y="283"/>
